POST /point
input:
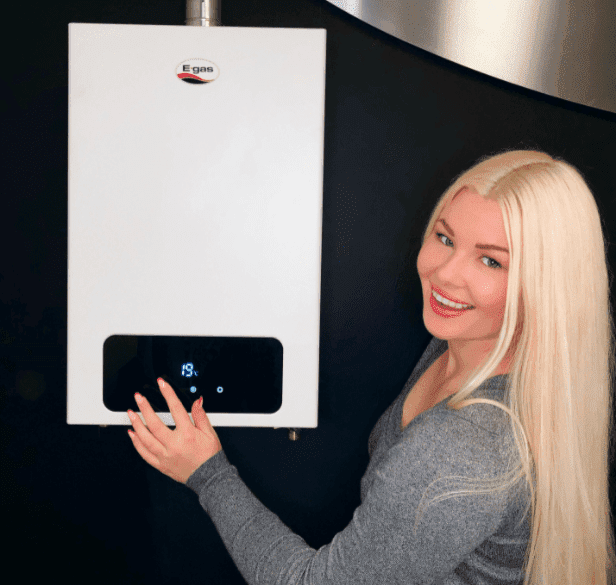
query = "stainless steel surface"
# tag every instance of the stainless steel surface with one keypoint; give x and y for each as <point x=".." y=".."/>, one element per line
<point x="563" y="48"/>
<point x="203" y="13"/>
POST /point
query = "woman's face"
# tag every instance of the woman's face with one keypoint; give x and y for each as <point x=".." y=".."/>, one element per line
<point x="450" y="261"/>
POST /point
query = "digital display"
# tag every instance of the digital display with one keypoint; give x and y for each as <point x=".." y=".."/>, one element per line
<point x="233" y="374"/>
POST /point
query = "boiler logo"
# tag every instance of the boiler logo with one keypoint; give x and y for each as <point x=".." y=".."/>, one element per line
<point x="198" y="71"/>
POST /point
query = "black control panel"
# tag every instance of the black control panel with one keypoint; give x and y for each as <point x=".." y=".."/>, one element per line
<point x="233" y="374"/>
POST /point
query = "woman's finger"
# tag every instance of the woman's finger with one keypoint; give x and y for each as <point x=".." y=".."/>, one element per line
<point x="176" y="408"/>
<point x="143" y="451"/>
<point x="202" y="420"/>
<point x="147" y="439"/>
<point x="156" y="426"/>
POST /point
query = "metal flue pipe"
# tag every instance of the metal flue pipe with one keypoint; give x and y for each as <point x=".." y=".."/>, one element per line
<point x="203" y="13"/>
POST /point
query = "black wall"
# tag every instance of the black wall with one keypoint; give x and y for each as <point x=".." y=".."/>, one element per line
<point x="78" y="503"/>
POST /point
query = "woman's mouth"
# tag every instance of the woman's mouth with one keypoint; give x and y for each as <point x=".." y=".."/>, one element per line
<point x="441" y="308"/>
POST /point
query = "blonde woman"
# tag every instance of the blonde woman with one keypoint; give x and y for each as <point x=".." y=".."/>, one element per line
<point x="491" y="466"/>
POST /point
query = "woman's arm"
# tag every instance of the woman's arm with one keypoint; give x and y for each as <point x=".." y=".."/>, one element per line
<point x="379" y="545"/>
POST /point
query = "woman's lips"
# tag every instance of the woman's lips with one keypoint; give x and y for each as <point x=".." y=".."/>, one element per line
<point x="443" y="311"/>
<point x="446" y="296"/>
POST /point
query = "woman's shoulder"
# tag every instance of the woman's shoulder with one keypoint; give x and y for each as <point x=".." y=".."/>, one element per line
<point x="482" y="429"/>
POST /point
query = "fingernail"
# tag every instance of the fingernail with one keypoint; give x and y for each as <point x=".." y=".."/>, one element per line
<point x="138" y="397"/>
<point x="200" y="402"/>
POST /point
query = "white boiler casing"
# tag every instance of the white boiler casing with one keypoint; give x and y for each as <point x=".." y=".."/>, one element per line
<point x="195" y="203"/>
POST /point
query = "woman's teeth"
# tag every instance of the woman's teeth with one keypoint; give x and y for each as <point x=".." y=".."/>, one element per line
<point x="443" y="301"/>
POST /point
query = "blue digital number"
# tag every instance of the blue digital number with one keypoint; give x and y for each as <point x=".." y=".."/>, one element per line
<point x="188" y="370"/>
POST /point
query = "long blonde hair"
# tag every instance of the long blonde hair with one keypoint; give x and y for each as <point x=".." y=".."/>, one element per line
<point x="559" y="331"/>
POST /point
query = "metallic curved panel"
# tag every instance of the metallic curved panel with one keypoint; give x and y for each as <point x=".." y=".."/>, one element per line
<point x="563" y="48"/>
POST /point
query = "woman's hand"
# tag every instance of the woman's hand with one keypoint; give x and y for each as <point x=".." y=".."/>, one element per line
<point x="178" y="453"/>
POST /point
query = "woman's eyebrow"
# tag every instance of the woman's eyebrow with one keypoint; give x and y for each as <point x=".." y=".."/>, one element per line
<point x="480" y="246"/>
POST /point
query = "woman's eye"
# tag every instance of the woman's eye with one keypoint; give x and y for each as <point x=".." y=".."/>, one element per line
<point x="439" y="236"/>
<point x="493" y="263"/>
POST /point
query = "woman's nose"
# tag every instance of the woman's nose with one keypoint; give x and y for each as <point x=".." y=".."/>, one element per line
<point x="452" y="269"/>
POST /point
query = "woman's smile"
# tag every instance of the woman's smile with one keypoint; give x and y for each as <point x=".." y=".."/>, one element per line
<point x="444" y="310"/>
<point x="448" y="301"/>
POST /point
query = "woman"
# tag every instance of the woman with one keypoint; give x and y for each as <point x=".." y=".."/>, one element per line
<point x="517" y="241"/>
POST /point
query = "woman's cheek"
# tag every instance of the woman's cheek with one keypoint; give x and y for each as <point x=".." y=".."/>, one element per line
<point x="492" y="295"/>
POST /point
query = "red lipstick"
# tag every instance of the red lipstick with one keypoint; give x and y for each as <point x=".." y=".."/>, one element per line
<point x="445" y="311"/>
<point x="449" y="298"/>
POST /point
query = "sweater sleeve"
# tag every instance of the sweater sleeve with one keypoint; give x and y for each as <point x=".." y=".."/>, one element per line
<point x="380" y="544"/>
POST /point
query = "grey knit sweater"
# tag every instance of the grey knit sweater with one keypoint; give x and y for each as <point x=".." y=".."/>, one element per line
<point x="462" y="540"/>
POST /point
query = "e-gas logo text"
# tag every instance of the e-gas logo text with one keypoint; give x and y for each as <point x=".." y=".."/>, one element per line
<point x="197" y="71"/>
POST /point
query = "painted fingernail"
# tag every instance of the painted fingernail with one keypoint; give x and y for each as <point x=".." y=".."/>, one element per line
<point x="131" y="414"/>
<point x="138" y="397"/>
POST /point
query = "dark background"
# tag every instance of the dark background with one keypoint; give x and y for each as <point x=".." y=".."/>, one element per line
<point x="78" y="503"/>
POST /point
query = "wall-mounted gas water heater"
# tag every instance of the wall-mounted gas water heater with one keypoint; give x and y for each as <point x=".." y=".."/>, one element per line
<point x="195" y="192"/>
